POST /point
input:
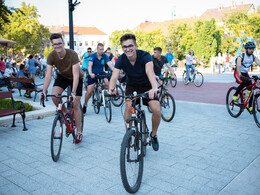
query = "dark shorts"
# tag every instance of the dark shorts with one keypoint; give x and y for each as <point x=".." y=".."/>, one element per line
<point x="91" y="81"/>
<point x="63" y="82"/>
<point x="130" y="88"/>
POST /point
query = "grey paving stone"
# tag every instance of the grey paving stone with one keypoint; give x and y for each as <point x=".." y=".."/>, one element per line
<point x="12" y="189"/>
<point x="183" y="191"/>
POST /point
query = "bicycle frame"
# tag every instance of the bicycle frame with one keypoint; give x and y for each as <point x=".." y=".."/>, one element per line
<point x="245" y="102"/>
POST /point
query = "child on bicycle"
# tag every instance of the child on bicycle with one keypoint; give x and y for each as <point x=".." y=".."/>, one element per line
<point x="189" y="59"/>
<point x="243" y="64"/>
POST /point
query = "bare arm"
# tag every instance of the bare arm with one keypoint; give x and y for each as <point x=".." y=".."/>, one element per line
<point x="170" y="68"/>
<point x="47" y="79"/>
<point x="75" y="72"/>
<point x="150" y="74"/>
<point x="239" y="61"/>
<point x="110" y="64"/>
<point x="90" y="64"/>
<point x="114" y="77"/>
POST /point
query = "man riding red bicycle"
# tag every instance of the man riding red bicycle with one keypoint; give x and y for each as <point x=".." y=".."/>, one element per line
<point x="244" y="62"/>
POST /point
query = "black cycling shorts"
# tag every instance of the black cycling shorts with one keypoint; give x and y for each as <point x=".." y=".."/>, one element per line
<point x="63" y="82"/>
<point x="130" y="88"/>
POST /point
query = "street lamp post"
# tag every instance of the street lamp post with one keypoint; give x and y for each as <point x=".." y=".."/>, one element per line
<point x="173" y="14"/>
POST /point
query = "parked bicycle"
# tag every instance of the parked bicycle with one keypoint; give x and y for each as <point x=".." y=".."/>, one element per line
<point x="99" y="99"/>
<point x="167" y="102"/>
<point x="133" y="146"/>
<point x="195" y="77"/>
<point x="60" y="121"/>
<point x="235" y="109"/>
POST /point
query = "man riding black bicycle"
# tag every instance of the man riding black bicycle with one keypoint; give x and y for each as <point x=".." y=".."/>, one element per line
<point x="243" y="64"/>
<point x="138" y="66"/>
<point x="159" y="61"/>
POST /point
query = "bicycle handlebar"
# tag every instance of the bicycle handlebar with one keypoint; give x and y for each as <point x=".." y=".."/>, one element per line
<point x="56" y="96"/>
<point x="130" y="96"/>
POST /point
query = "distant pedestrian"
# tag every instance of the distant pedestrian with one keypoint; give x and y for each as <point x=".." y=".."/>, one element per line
<point x="31" y="67"/>
<point x="213" y="63"/>
<point x="219" y="62"/>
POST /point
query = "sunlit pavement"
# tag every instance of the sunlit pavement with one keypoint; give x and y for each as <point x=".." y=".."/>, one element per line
<point x="203" y="150"/>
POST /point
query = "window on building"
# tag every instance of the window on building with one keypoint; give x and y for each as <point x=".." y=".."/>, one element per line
<point x="75" y="43"/>
<point x="92" y="43"/>
<point x="68" y="43"/>
<point x="80" y="43"/>
<point x="86" y="43"/>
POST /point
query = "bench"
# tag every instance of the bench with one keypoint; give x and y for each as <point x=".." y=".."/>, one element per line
<point x="12" y="111"/>
<point x="13" y="85"/>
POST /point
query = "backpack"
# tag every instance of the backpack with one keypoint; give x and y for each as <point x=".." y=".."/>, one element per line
<point x="238" y="80"/>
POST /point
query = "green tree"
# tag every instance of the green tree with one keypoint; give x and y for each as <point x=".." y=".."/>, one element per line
<point x="47" y="51"/>
<point x="25" y="29"/>
<point x="115" y="37"/>
<point x="4" y="15"/>
<point x="235" y="17"/>
<point x="254" y="25"/>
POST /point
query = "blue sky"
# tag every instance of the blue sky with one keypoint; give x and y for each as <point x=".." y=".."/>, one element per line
<point x="113" y="15"/>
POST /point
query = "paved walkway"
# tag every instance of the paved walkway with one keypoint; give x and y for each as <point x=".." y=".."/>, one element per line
<point x="202" y="151"/>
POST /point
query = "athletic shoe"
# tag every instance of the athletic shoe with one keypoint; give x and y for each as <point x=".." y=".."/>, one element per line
<point x="155" y="143"/>
<point x="79" y="138"/>
<point x="84" y="109"/>
<point x="250" y="110"/>
<point x="235" y="99"/>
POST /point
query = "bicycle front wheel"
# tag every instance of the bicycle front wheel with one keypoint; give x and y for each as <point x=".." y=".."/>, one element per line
<point x="118" y="101"/>
<point x="56" y="138"/>
<point x="184" y="78"/>
<point x="168" y="107"/>
<point x="131" y="161"/>
<point x="256" y="110"/>
<point x="234" y="109"/>
<point x="95" y="100"/>
<point x="108" y="109"/>
<point x="198" y="79"/>
<point x="173" y="81"/>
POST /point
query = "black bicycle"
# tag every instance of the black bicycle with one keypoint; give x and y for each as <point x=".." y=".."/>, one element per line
<point x="99" y="99"/>
<point x="167" y="102"/>
<point x="133" y="146"/>
<point x="195" y="77"/>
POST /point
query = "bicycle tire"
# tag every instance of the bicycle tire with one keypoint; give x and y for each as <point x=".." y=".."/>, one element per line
<point x="184" y="78"/>
<point x="230" y="105"/>
<point x="128" y="143"/>
<point x="108" y="109"/>
<point x="165" y="102"/>
<point x="256" y="109"/>
<point x="82" y="119"/>
<point x="55" y="155"/>
<point x="118" y="101"/>
<point x="145" y="134"/>
<point x="173" y="81"/>
<point x="198" y="79"/>
<point x="95" y="100"/>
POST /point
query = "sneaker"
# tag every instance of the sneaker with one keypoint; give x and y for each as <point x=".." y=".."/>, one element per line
<point x="155" y="143"/>
<point x="250" y="110"/>
<point x="84" y="109"/>
<point x="235" y="99"/>
<point x="79" y="138"/>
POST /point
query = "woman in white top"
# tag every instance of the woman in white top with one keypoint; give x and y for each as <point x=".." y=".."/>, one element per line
<point x="189" y="59"/>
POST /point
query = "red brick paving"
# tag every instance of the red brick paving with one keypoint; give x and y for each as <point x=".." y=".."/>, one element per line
<point x="212" y="93"/>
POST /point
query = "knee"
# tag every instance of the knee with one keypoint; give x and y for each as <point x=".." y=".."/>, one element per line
<point x="157" y="111"/>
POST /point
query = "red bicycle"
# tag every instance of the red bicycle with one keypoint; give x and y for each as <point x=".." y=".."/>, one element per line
<point x="59" y="121"/>
<point x="235" y="109"/>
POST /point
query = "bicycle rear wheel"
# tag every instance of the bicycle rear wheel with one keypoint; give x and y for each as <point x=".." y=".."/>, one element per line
<point x="184" y="78"/>
<point x="95" y="100"/>
<point x="118" y="101"/>
<point x="56" y="138"/>
<point x="131" y="161"/>
<point x="198" y="79"/>
<point x="108" y="109"/>
<point x="173" y="81"/>
<point x="256" y="110"/>
<point x="168" y="107"/>
<point x="234" y="109"/>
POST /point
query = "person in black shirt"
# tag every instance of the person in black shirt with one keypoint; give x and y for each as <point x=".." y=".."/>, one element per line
<point x="138" y="66"/>
<point x="158" y="62"/>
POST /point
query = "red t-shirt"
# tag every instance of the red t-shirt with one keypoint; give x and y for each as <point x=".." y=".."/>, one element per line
<point x="2" y="66"/>
<point x="227" y="59"/>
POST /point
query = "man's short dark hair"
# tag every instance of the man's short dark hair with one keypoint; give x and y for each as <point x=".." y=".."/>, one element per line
<point x="158" y="49"/>
<point x="56" y="36"/>
<point x="22" y="66"/>
<point x="89" y="48"/>
<point x="100" y="45"/>
<point x="128" y="36"/>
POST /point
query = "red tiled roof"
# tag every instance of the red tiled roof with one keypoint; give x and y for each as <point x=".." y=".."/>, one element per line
<point x="77" y="30"/>
<point x="218" y="13"/>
